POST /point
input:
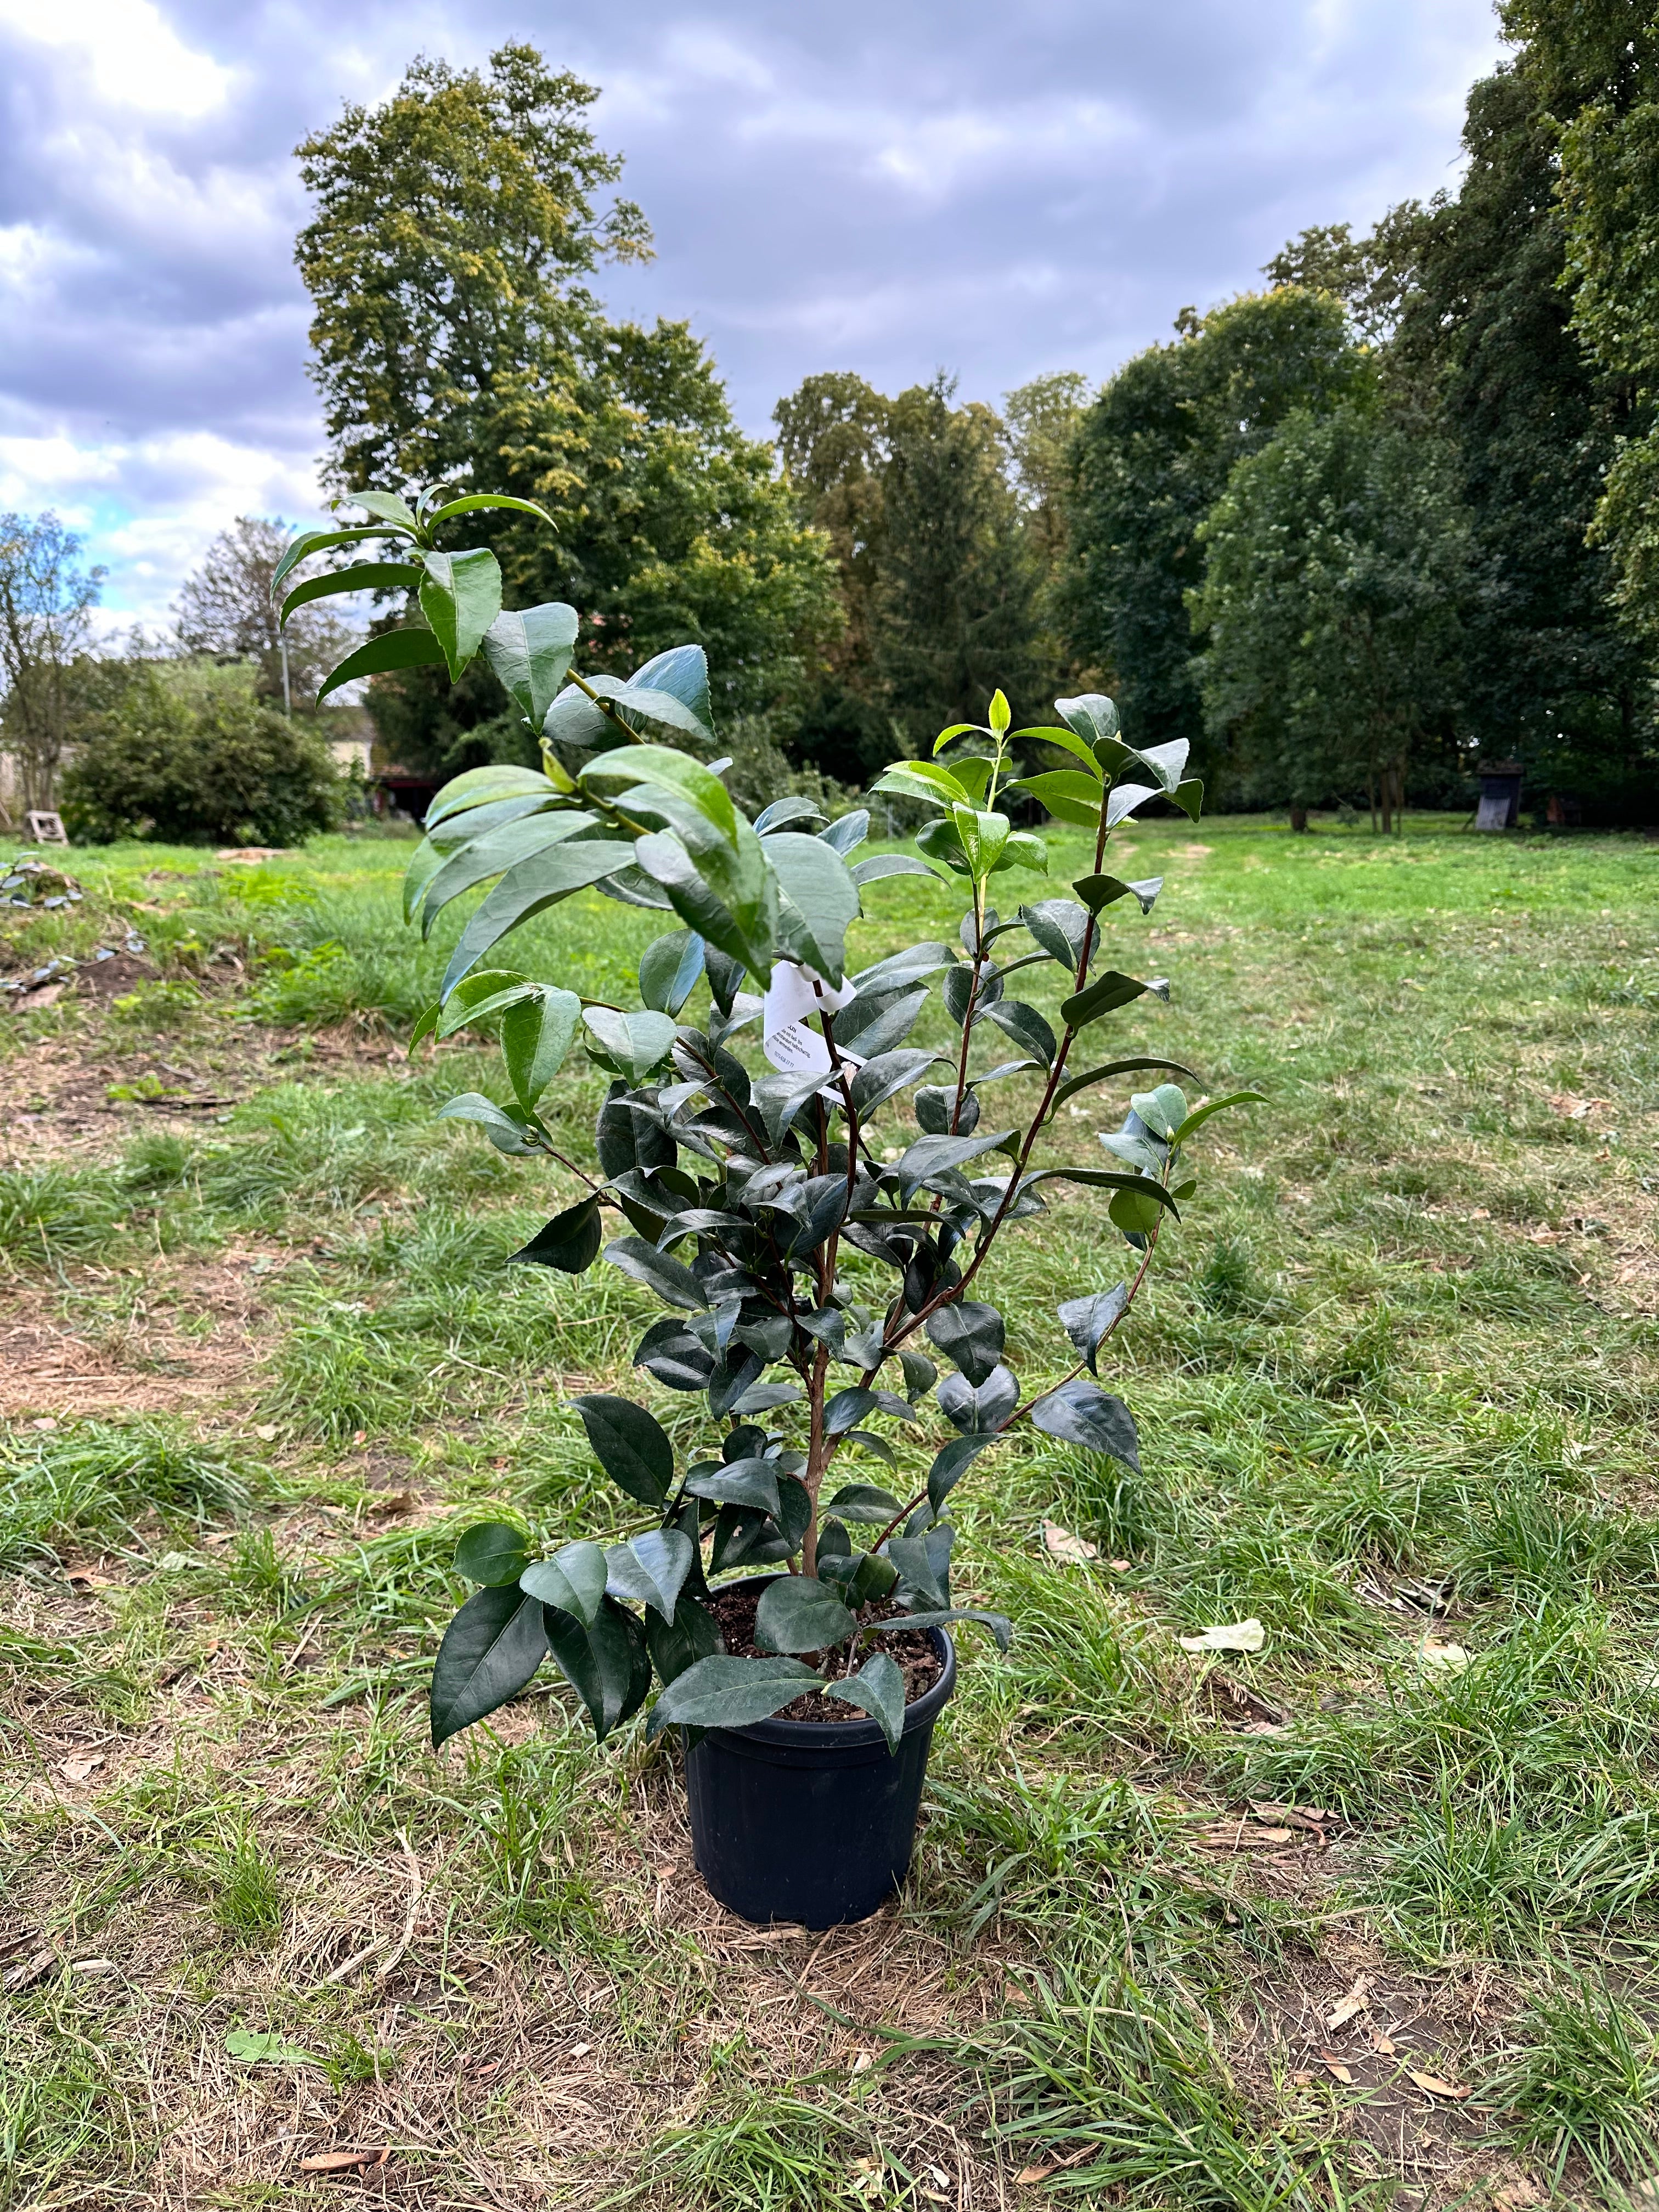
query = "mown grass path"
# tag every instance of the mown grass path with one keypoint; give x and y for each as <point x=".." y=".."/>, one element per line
<point x="1374" y="1910"/>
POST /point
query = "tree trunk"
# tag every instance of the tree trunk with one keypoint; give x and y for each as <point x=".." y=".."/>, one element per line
<point x="1299" y="820"/>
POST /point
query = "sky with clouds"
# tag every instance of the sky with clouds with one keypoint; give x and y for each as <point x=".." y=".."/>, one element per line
<point x="888" y="185"/>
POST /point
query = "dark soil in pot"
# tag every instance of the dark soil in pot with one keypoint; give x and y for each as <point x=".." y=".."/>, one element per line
<point x="733" y="1607"/>
<point x="812" y="1820"/>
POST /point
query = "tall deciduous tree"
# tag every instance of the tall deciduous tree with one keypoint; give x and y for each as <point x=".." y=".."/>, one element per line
<point x="455" y="338"/>
<point x="46" y="599"/>
<point x="224" y="608"/>
<point x="939" y="572"/>
<point x="1594" y="67"/>
<point x="956" y="599"/>
<point x="1486" y="341"/>
<point x="1151" y="458"/>
<point x="1331" y="605"/>
<point x="454" y="225"/>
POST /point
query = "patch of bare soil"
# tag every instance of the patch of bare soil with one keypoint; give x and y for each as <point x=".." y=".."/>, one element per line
<point x="55" y="1101"/>
<point x="185" y="1338"/>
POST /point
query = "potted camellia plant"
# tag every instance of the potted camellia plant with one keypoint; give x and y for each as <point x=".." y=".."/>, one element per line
<point x="811" y="1195"/>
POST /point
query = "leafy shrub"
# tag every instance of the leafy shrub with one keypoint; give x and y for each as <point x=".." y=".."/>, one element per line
<point x="190" y="764"/>
<point x="794" y="1191"/>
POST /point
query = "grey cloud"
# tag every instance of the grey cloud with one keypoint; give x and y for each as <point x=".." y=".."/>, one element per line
<point x="889" y="187"/>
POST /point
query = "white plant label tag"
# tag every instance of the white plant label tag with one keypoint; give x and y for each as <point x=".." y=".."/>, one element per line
<point x="793" y="997"/>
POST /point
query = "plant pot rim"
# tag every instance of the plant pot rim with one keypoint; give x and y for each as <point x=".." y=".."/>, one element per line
<point x="847" y="1735"/>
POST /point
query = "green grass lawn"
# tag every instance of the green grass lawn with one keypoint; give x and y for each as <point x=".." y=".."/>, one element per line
<point x="1369" y="1917"/>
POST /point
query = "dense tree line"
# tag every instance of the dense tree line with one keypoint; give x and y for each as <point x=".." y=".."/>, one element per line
<point x="1391" y="513"/>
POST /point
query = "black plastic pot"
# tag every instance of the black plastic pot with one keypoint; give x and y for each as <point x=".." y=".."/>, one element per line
<point x="811" y="1822"/>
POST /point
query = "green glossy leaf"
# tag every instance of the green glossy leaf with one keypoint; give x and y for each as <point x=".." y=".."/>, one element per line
<point x="651" y="1569"/>
<point x="1089" y="1321"/>
<point x="1188" y="797"/>
<point x="530" y="653"/>
<point x="669" y="970"/>
<point x="950" y="1464"/>
<point x="1168" y="761"/>
<point x="460" y="597"/>
<point x="878" y="1689"/>
<point x="1103" y="996"/>
<point x="573" y="1579"/>
<point x="634" y="1043"/>
<point x="752" y="1482"/>
<point x="847" y="1409"/>
<point x="674" y="1283"/>
<point x="316" y="541"/>
<point x="536" y="1033"/>
<point x="1141" y="1188"/>
<point x="796" y="1614"/>
<point x="1082" y="1413"/>
<point x="971" y="1336"/>
<point x="530" y="889"/>
<point x="393" y="648"/>
<point x="510" y="1132"/>
<point x="1102" y="1074"/>
<point x="1067" y="793"/>
<point x="1027" y="1028"/>
<point x="1092" y="715"/>
<point x="570" y="1241"/>
<point x="819" y="900"/>
<point x="630" y="1446"/>
<point x="928" y="1156"/>
<point x="481" y="858"/>
<point x="1099" y="892"/>
<point x="1023" y="850"/>
<point x="1161" y="1110"/>
<point x="487" y="991"/>
<point x="865" y="1505"/>
<point x="923" y="780"/>
<point x="474" y="500"/>
<point x="489" y="1652"/>
<point x="491" y="1552"/>
<point x="387" y="505"/>
<point x="916" y="1566"/>
<point x="608" y="1664"/>
<point x="1069" y="741"/>
<point x="1136" y="1211"/>
<point x="880" y="865"/>
<point x="998" y="1623"/>
<point x="678" y="1644"/>
<point x="1202" y="1114"/>
<point x="485" y="786"/>
<point x="984" y="836"/>
<point x="1060" y="926"/>
<point x="366" y="576"/>
<point x="1124" y="799"/>
<point x="722" y="1692"/>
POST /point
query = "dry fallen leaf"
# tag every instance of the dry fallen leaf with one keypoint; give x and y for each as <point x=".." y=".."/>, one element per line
<point x="1350" y="2006"/>
<point x="1062" y="1544"/>
<point x="1384" y="2044"/>
<point x="863" y="2062"/>
<point x="344" y="2161"/>
<point x="77" y="1770"/>
<point x="1335" y="2066"/>
<point x="1232" y="1636"/>
<point x="266" y="1432"/>
<point x="1027" y="2174"/>
<point x="1437" y="2087"/>
<point x="1314" y="1818"/>
<point x="1302" y="2079"/>
<point x="395" y="1501"/>
<point x="44" y="1422"/>
<point x="28" y="1971"/>
<point x="1433" y="1653"/>
<point x="1518" y="2194"/>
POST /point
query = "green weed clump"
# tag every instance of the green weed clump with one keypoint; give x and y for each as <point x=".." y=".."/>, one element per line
<point x="94" y="1482"/>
